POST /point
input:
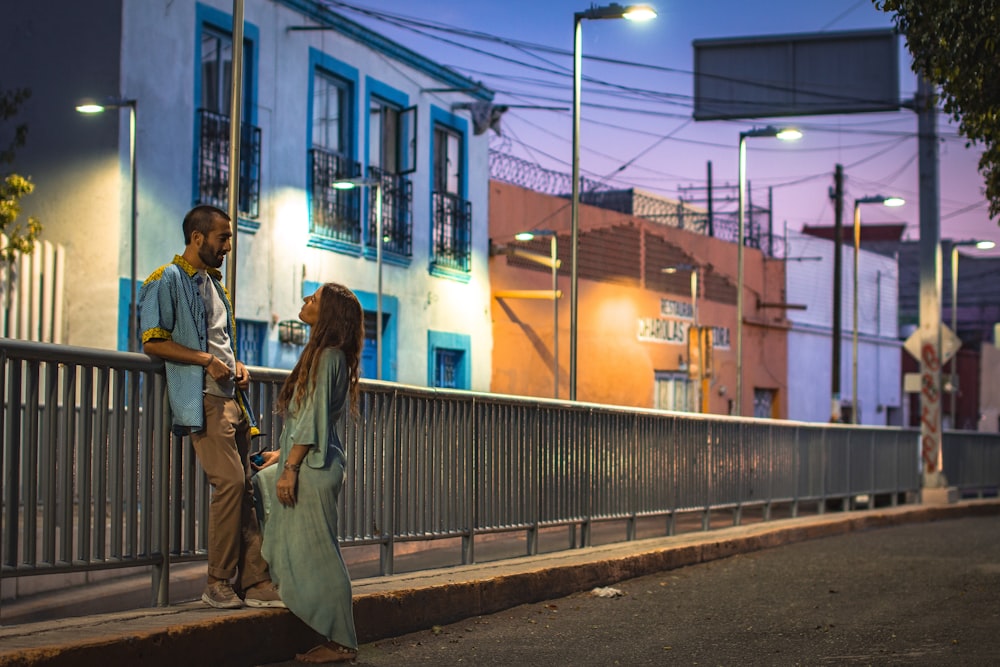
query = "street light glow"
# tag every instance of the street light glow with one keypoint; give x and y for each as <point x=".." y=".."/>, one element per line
<point x="789" y="134"/>
<point x="639" y="13"/>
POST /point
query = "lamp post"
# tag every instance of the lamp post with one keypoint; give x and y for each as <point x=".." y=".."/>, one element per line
<point x="376" y="185"/>
<point x="89" y="107"/>
<point x="982" y="245"/>
<point x="612" y="11"/>
<point x="875" y="199"/>
<point x="784" y="134"/>
<point x="554" y="259"/>
<point x="694" y="326"/>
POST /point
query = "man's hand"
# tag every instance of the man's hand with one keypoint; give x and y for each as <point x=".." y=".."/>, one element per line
<point x="242" y="376"/>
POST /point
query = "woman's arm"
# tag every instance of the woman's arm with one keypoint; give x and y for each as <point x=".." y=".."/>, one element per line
<point x="289" y="478"/>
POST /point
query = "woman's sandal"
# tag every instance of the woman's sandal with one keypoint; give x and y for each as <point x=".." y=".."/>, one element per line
<point x="326" y="653"/>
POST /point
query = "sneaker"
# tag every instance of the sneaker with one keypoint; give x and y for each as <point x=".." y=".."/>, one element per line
<point x="263" y="595"/>
<point x="221" y="595"/>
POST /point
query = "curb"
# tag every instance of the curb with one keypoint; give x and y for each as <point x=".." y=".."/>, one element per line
<point x="393" y="606"/>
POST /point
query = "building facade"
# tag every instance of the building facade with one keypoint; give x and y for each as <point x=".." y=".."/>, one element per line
<point x="634" y="319"/>
<point x="323" y="99"/>
<point x="809" y="276"/>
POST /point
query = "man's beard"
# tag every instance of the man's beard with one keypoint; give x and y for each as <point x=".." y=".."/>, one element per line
<point x="209" y="257"/>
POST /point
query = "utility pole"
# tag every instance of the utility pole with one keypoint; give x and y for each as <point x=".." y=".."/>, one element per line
<point x="837" y="195"/>
<point x="930" y="288"/>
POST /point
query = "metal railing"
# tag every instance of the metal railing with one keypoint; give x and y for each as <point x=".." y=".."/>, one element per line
<point x="452" y="230"/>
<point x="93" y="479"/>
<point x="213" y="163"/>
<point x="335" y="214"/>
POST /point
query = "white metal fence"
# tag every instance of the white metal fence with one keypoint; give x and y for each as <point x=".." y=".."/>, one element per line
<point x="31" y="294"/>
<point x="93" y="479"/>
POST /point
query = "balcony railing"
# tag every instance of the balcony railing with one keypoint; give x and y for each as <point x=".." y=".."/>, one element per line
<point x="335" y="214"/>
<point x="397" y="204"/>
<point x="213" y="163"/>
<point x="452" y="232"/>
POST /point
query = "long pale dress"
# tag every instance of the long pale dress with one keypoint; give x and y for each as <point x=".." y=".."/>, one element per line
<point x="300" y="542"/>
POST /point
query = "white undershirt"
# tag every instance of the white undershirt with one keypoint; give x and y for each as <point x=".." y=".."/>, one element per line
<point x="216" y="317"/>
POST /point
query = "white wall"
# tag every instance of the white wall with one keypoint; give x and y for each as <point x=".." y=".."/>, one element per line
<point x="810" y="281"/>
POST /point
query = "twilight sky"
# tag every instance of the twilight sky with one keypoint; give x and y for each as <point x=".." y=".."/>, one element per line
<point x="646" y="137"/>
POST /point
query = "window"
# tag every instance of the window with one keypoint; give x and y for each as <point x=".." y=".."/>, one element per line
<point x="214" y="109"/>
<point x="452" y="221"/>
<point x="447" y="161"/>
<point x="763" y="404"/>
<point x="673" y="392"/>
<point x="448" y="360"/>
<point x="391" y="151"/>
<point x="331" y="120"/>
<point x="447" y="365"/>
<point x="335" y="215"/>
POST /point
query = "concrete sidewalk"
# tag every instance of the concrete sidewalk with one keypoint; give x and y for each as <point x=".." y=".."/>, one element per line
<point x="194" y="634"/>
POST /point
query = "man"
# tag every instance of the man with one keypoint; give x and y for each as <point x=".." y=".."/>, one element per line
<point x="187" y="320"/>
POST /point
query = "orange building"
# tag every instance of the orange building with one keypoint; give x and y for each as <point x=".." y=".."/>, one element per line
<point x="633" y="318"/>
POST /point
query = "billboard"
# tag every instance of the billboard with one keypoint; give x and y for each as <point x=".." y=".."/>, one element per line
<point x="796" y="75"/>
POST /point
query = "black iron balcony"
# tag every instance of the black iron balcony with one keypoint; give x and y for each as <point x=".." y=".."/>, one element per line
<point x="452" y="232"/>
<point x="213" y="164"/>
<point x="397" y="204"/>
<point x="335" y="214"/>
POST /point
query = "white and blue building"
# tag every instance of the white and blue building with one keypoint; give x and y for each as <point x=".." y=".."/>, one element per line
<point x="323" y="98"/>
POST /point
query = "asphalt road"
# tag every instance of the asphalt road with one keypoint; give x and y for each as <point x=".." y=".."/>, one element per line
<point x="923" y="594"/>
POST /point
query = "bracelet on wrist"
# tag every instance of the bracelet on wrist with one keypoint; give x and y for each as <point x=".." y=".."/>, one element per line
<point x="209" y="362"/>
<point x="294" y="467"/>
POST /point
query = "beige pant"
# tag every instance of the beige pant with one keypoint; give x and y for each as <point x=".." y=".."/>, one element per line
<point x="233" y="534"/>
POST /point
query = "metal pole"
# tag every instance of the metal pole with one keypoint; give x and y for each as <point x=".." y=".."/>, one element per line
<point x="838" y="261"/>
<point x="553" y="246"/>
<point x="575" y="207"/>
<point x="134" y="301"/>
<point x="854" y="339"/>
<point x="235" y="118"/>
<point x="954" y="330"/>
<point x="378" y="268"/>
<point x="698" y="333"/>
<point x="739" y="275"/>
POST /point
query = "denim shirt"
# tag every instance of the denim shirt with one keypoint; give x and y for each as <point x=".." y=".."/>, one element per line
<point x="171" y="308"/>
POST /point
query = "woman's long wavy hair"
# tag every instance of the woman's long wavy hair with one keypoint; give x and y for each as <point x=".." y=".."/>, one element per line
<point x="341" y="324"/>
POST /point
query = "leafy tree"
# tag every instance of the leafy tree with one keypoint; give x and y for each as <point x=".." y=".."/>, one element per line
<point x="20" y="235"/>
<point x="954" y="45"/>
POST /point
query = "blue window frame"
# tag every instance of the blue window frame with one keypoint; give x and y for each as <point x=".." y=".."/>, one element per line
<point x="331" y="126"/>
<point x="213" y="64"/>
<point x="451" y="212"/>
<point x="449" y="357"/>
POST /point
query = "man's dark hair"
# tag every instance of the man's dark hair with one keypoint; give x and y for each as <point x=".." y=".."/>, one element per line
<point x="200" y="219"/>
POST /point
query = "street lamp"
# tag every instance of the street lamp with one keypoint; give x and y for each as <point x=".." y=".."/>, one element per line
<point x="554" y="259"/>
<point x="982" y="245"/>
<point x="885" y="201"/>
<point x="694" y="324"/>
<point x="612" y="11"/>
<point x="90" y="107"/>
<point x="784" y="134"/>
<point x="376" y="185"/>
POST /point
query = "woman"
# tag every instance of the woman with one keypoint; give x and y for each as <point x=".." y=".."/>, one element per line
<point x="306" y="475"/>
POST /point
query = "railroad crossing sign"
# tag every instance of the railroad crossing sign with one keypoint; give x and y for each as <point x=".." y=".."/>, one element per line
<point x="950" y="344"/>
